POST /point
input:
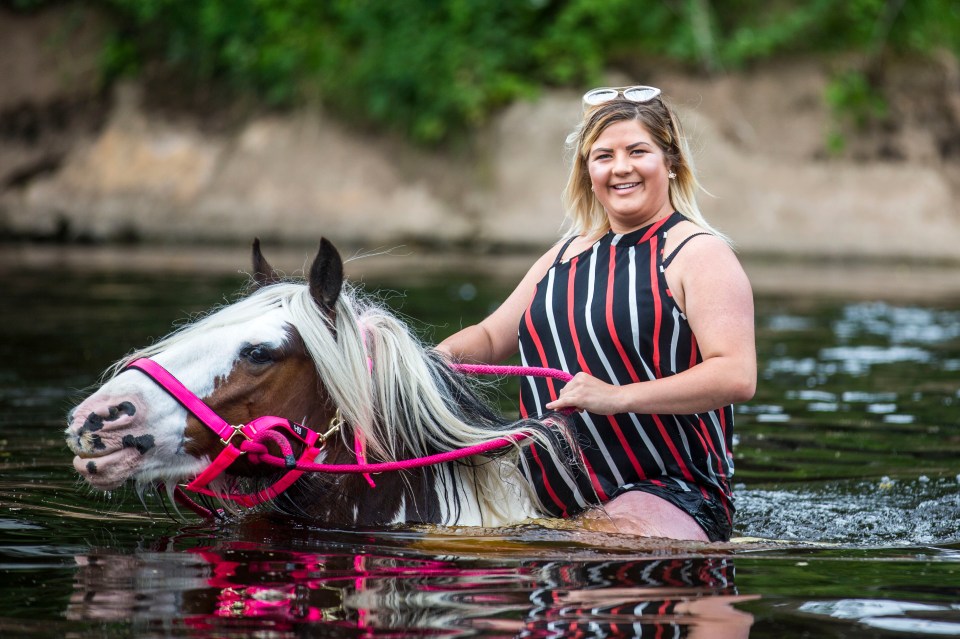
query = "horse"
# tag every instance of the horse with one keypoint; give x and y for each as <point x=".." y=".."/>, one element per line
<point x="316" y="355"/>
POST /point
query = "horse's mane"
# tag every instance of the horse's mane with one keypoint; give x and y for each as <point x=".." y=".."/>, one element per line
<point x="402" y="396"/>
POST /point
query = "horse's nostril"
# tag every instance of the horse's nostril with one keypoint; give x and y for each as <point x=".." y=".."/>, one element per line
<point x="94" y="423"/>
<point x="97" y="420"/>
<point x="123" y="408"/>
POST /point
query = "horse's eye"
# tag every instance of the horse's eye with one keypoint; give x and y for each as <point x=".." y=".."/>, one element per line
<point x="256" y="354"/>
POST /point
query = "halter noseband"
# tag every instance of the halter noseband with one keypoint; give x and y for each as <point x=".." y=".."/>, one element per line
<point x="258" y="429"/>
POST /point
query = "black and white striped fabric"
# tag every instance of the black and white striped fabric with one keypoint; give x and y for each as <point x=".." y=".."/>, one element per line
<point x="609" y="312"/>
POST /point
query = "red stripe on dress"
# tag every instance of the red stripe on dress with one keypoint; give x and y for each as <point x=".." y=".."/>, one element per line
<point x="707" y="443"/>
<point x="721" y="475"/>
<point x="546" y="483"/>
<point x="611" y="328"/>
<point x="657" y="308"/>
<point x="726" y="509"/>
<point x="571" y="298"/>
<point x="571" y="302"/>
<point x="626" y="447"/>
<point x="673" y="449"/>
<point x="653" y="230"/>
<point x="540" y="351"/>
<point x="693" y="350"/>
<point x="593" y="479"/>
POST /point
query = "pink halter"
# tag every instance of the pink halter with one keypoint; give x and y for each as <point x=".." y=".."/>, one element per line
<point x="260" y="428"/>
<point x="278" y="429"/>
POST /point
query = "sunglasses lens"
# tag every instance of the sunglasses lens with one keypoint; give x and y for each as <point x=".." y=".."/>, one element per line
<point x="599" y="96"/>
<point x="641" y="94"/>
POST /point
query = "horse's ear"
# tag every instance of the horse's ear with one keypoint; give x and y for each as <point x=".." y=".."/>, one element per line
<point x="326" y="276"/>
<point x="263" y="273"/>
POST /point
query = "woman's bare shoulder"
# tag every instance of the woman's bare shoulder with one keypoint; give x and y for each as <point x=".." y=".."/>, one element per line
<point x="705" y="263"/>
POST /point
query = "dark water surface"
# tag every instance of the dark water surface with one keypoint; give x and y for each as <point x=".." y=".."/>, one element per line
<point x="848" y="472"/>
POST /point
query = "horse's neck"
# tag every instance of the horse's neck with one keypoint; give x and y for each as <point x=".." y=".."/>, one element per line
<point x="444" y="495"/>
<point x="462" y="506"/>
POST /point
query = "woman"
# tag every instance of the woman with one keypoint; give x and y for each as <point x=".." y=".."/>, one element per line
<point x="648" y="306"/>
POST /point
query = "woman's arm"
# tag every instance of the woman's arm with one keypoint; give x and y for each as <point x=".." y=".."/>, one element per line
<point x="495" y="338"/>
<point x="718" y="303"/>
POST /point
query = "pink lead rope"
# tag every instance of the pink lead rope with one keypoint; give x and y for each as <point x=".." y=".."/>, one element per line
<point x="518" y="371"/>
<point x="254" y="445"/>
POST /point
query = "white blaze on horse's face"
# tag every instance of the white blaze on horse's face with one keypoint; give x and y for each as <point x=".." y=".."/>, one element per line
<point x="132" y="429"/>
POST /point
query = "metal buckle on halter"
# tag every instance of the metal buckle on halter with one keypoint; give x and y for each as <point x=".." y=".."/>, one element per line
<point x="336" y="422"/>
<point x="237" y="430"/>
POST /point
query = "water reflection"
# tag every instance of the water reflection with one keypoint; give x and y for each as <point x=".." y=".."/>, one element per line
<point x="232" y="587"/>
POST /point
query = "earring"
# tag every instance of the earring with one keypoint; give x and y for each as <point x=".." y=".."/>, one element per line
<point x="672" y="175"/>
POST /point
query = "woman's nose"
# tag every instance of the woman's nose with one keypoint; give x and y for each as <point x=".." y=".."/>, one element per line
<point x="621" y="164"/>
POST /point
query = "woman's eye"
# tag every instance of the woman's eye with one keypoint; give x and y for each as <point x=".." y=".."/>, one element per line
<point x="256" y="354"/>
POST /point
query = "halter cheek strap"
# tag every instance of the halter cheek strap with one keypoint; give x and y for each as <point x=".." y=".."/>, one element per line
<point x="359" y="439"/>
<point x="261" y="428"/>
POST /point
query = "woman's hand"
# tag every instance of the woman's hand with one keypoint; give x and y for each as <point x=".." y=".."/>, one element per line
<point x="587" y="393"/>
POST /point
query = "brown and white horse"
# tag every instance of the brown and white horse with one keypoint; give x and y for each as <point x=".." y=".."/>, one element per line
<point x="314" y="353"/>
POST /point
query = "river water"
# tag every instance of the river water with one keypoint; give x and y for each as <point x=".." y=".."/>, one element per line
<point x="848" y="483"/>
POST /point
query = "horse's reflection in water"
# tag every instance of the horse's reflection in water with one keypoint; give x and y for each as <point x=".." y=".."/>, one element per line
<point x="243" y="587"/>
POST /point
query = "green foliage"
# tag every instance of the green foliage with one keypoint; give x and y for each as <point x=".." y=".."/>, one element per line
<point x="119" y="58"/>
<point x="855" y="102"/>
<point x="432" y="69"/>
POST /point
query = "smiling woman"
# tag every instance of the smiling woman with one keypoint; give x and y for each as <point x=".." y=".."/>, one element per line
<point x="629" y="176"/>
<point x="660" y="340"/>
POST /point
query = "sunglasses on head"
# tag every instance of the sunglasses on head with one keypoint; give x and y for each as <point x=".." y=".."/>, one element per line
<point x="638" y="93"/>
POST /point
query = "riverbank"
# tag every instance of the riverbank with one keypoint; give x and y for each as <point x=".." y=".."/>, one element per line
<point x="81" y="164"/>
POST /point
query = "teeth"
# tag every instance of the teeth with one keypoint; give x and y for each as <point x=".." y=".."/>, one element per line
<point x="625" y="186"/>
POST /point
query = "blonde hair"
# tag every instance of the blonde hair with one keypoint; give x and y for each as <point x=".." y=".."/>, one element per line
<point x="584" y="212"/>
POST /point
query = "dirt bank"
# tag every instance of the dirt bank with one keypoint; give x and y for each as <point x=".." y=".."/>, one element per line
<point x="111" y="166"/>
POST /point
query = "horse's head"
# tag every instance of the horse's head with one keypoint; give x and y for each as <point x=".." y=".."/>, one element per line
<point x="245" y="361"/>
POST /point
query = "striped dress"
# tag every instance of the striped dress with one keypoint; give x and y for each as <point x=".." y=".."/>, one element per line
<point x="608" y="312"/>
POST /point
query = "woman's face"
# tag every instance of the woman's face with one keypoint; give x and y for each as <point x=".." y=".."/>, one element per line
<point x="628" y="172"/>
